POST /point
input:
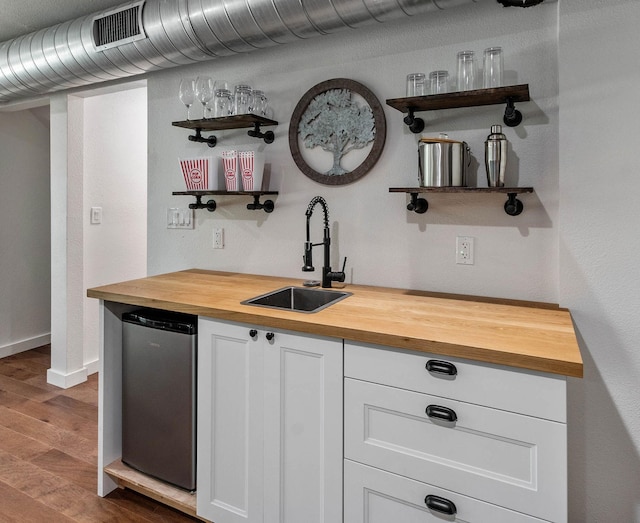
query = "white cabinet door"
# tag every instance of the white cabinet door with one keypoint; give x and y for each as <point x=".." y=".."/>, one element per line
<point x="269" y="425"/>
<point x="303" y="429"/>
<point x="230" y="426"/>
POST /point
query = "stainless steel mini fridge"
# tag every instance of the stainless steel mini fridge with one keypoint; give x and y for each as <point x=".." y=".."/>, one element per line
<point x="159" y="351"/>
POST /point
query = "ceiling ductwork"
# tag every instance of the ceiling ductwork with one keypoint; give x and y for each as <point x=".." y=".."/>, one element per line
<point x="149" y="35"/>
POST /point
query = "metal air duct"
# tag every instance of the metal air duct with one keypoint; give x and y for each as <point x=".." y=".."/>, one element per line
<point x="177" y="32"/>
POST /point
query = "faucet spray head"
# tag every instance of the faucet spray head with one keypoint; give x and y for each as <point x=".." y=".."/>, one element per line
<point x="308" y="259"/>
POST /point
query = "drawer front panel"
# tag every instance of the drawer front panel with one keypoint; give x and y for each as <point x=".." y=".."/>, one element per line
<point x="374" y="496"/>
<point x="506" y="388"/>
<point x="507" y="459"/>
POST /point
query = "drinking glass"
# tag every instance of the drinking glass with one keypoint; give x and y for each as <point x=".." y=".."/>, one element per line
<point x="439" y="82"/>
<point x="258" y="103"/>
<point x="242" y="99"/>
<point x="187" y="94"/>
<point x="492" y="67"/>
<point x="416" y="84"/>
<point x="466" y="71"/>
<point x="222" y="103"/>
<point x="204" y="92"/>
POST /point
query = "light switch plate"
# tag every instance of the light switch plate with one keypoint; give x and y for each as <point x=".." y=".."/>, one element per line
<point x="180" y="218"/>
<point x="96" y="215"/>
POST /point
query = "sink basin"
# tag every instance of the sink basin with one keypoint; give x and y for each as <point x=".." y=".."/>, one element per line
<point x="299" y="299"/>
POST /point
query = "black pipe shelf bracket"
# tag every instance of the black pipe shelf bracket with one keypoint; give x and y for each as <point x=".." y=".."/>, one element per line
<point x="240" y="121"/>
<point x="418" y="204"/>
<point x="210" y="205"/>
<point x="508" y="95"/>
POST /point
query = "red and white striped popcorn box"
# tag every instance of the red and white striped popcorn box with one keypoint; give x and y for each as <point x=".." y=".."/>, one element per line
<point x="247" y="169"/>
<point x="196" y="173"/>
<point x="230" y="164"/>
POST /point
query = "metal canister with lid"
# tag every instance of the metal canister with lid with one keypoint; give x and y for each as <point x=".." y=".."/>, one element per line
<point x="442" y="162"/>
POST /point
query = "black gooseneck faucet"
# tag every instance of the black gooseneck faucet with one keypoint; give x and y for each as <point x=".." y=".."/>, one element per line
<point x="327" y="275"/>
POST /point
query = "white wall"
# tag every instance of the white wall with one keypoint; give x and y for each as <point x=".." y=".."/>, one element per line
<point x="24" y="234"/>
<point x="599" y="249"/>
<point x="115" y="179"/>
<point x="386" y="245"/>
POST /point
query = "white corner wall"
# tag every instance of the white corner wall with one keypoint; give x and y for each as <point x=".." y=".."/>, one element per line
<point x="599" y="252"/>
<point x="24" y="235"/>
<point x="115" y="166"/>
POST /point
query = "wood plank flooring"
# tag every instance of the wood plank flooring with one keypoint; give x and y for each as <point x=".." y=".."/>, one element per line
<point x="48" y="452"/>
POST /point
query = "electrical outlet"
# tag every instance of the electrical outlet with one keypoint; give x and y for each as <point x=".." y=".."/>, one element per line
<point x="464" y="250"/>
<point x="218" y="238"/>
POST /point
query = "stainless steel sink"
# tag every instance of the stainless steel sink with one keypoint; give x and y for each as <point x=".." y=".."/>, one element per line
<point x="298" y="299"/>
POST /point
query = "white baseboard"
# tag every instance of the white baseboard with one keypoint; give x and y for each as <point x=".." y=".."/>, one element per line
<point x="92" y="366"/>
<point x="24" y="345"/>
<point x="65" y="381"/>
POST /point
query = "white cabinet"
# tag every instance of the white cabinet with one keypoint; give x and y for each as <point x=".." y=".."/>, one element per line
<point x="454" y="430"/>
<point x="269" y="425"/>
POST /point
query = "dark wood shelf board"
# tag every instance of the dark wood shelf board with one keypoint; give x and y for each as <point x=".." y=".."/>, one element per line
<point x="241" y="121"/>
<point x="501" y="190"/>
<point x="478" y="97"/>
<point x="223" y="193"/>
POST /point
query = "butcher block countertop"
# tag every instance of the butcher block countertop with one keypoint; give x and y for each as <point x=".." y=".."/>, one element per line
<point x="534" y="336"/>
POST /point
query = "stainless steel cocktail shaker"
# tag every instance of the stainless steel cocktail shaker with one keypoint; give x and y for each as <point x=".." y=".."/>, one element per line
<point x="495" y="156"/>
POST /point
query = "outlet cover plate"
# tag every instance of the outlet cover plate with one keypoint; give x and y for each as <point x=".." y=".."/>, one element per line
<point x="464" y="250"/>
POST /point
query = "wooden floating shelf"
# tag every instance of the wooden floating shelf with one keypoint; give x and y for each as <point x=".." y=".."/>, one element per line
<point x="240" y="121"/>
<point x="127" y="477"/>
<point x="496" y="95"/>
<point x="222" y="193"/>
<point x="501" y="190"/>
<point x="513" y="206"/>
<point x="267" y="206"/>
<point x="477" y="97"/>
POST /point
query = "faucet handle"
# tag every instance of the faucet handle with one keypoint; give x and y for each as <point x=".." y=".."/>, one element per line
<point x="339" y="276"/>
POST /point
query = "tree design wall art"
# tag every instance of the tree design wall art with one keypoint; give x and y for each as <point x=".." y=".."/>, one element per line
<point x="329" y="117"/>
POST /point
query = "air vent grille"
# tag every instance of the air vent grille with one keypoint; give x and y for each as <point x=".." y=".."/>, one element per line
<point x="118" y="27"/>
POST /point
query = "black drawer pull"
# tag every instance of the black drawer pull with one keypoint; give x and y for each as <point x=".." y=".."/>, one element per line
<point x="441" y="413"/>
<point x="441" y="367"/>
<point x="441" y="505"/>
<point x="253" y="333"/>
<point x="269" y="336"/>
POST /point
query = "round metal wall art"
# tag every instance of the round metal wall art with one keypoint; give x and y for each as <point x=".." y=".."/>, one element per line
<point x="327" y="116"/>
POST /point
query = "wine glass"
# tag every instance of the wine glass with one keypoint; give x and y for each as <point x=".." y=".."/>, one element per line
<point x="204" y="92"/>
<point x="187" y="94"/>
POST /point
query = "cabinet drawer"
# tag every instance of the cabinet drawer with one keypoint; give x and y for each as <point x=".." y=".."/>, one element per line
<point x="506" y="459"/>
<point x="507" y="388"/>
<point x="375" y="496"/>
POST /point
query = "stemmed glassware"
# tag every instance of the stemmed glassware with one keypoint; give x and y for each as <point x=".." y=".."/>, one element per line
<point x="204" y="92"/>
<point x="187" y="94"/>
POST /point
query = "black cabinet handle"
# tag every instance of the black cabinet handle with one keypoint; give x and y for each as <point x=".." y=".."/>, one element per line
<point x="270" y="336"/>
<point x="441" y="367"/>
<point x="253" y="333"/>
<point x="441" y="413"/>
<point x="441" y="505"/>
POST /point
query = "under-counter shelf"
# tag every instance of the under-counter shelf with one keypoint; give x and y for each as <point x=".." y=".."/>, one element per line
<point x="267" y="206"/>
<point x="127" y="477"/>
<point x="240" y="121"/>
<point x="496" y="95"/>
<point x="512" y="207"/>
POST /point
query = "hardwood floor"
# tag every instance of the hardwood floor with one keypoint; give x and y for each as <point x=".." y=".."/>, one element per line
<point x="48" y="452"/>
